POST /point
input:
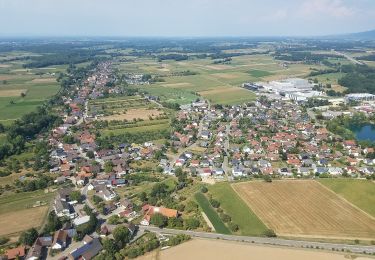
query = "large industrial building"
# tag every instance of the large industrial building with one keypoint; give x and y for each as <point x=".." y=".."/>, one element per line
<point x="294" y="88"/>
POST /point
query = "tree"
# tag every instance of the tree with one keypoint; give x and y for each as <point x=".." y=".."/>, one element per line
<point x="214" y="203"/>
<point x="159" y="220"/>
<point x="191" y="223"/>
<point x="110" y="247"/>
<point x="267" y="178"/>
<point x="233" y="227"/>
<point x="96" y="199"/>
<point x="204" y="189"/>
<point x="113" y="220"/>
<point x="121" y="235"/>
<point x="159" y="190"/>
<point x="108" y="166"/>
<point x="3" y="240"/>
<point x="90" y="154"/>
<point x="142" y="196"/>
<point x="191" y="206"/>
<point x="28" y="237"/>
<point x="269" y="233"/>
<point x="53" y="223"/>
<point x="68" y="139"/>
<point x="76" y="196"/>
<point x="175" y="222"/>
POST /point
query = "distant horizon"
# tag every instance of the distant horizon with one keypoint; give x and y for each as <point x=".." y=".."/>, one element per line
<point x="36" y="36"/>
<point x="178" y="18"/>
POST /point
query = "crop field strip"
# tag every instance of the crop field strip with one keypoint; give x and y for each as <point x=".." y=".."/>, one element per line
<point x="241" y="214"/>
<point x="211" y="214"/>
<point x="359" y="192"/>
<point x="306" y="209"/>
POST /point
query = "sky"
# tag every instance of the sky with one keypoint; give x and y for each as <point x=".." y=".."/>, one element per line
<point x="185" y="18"/>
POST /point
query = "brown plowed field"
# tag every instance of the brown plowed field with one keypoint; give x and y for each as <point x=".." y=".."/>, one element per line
<point x="305" y="209"/>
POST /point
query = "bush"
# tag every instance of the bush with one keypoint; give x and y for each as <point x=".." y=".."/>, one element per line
<point x="269" y="233"/>
<point x="204" y="189"/>
<point x="191" y="206"/>
<point x="214" y="203"/>
<point x="233" y="227"/>
<point x="191" y="223"/>
<point x="96" y="199"/>
<point x="113" y="220"/>
<point x="3" y="240"/>
<point x="226" y="218"/>
<point x="159" y="220"/>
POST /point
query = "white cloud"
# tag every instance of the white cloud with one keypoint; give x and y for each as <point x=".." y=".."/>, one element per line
<point x="335" y="8"/>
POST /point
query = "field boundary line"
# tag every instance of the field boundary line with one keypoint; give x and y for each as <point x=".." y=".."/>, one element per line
<point x="342" y="198"/>
<point x="247" y="204"/>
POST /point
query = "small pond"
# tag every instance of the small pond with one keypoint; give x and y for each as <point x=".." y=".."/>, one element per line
<point x="364" y="132"/>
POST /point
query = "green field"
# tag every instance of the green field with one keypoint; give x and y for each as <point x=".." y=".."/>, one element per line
<point x="37" y="85"/>
<point x="260" y="73"/>
<point x="151" y="126"/>
<point x="329" y="78"/>
<point x="24" y="200"/>
<point x="211" y="214"/>
<point x="217" y="82"/>
<point x="359" y="192"/>
<point x="234" y="206"/>
<point x="167" y="94"/>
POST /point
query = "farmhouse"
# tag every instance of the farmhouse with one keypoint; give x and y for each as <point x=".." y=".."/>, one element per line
<point x="149" y="210"/>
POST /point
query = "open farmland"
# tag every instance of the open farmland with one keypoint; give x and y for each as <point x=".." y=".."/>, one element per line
<point x="220" y="83"/>
<point x="23" y="90"/>
<point x="359" y="192"/>
<point x="140" y="113"/>
<point x="305" y="209"/>
<point x="232" y="204"/>
<point x="14" y="222"/>
<point x="18" y="214"/>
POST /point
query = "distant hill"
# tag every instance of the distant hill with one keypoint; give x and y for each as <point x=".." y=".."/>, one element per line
<point x="367" y="35"/>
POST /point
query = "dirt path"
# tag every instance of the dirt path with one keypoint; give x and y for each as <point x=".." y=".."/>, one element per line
<point x="208" y="221"/>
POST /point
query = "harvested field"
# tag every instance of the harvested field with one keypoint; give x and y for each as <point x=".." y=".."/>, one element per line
<point x="142" y="113"/>
<point x="306" y="209"/>
<point x="12" y="92"/>
<point x="218" y="67"/>
<point x="4" y="77"/>
<point x="217" y="91"/>
<point x="225" y="75"/>
<point x="20" y="220"/>
<point x="223" y="250"/>
<point x="44" y="80"/>
<point x="177" y="85"/>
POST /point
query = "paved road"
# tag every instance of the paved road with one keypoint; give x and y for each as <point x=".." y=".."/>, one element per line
<point x="267" y="241"/>
<point x="347" y="57"/>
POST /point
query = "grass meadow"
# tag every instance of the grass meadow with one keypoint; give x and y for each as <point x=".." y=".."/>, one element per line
<point x="241" y="214"/>
<point x="214" y="218"/>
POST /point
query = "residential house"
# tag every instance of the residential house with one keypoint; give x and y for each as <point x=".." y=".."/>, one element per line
<point x="60" y="240"/>
<point x="149" y="210"/>
<point x="90" y="248"/>
<point x="15" y="253"/>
